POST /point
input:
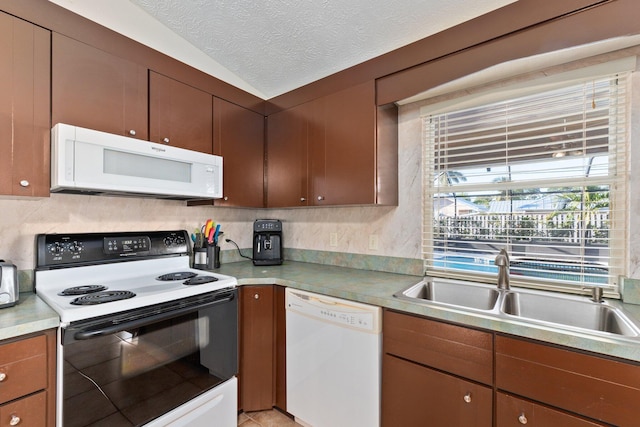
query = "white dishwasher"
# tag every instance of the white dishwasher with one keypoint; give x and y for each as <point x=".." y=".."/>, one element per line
<point x="333" y="361"/>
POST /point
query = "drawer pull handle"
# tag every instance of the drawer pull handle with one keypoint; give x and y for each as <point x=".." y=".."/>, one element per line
<point x="467" y="398"/>
<point x="15" y="420"/>
<point x="522" y="418"/>
<point x="3" y="376"/>
<point x="24" y="183"/>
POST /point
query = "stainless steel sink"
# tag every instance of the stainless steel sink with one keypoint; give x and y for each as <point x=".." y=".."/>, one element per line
<point x="455" y="293"/>
<point x="571" y="311"/>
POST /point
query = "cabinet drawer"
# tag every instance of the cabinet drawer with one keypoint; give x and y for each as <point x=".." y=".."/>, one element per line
<point x="414" y="395"/>
<point x="456" y="349"/>
<point x="514" y="412"/>
<point x="27" y="412"/>
<point x="23" y="366"/>
<point x="592" y="386"/>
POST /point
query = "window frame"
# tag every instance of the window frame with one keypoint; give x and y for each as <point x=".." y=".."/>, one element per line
<point x="619" y="217"/>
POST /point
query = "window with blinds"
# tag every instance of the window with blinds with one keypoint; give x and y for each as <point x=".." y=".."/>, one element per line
<point x="542" y="175"/>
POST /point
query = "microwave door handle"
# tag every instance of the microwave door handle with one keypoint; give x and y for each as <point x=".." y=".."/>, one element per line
<point x="108" y="330"/>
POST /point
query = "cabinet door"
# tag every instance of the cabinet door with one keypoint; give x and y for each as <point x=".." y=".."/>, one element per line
<point x="97" y="90"/>
<point x="343" y="147"/>
<point x="239" y="139"/>
<point x="514" y="412"/>
<point x="180" y="115"/>
<point x="29" y="411"/>
<point x="451" y="348"/>
<point x="287" y="171"/>
<point x="595" y="387"/>
<point x="24" y="108"/>
<point x="414" y="395"/>
<point x="256" y="348"/>
<point x="280" y="374"/>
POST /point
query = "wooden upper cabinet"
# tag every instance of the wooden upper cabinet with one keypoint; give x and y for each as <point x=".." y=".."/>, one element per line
<point x="94" y="89"/>
<point x="24" y="108"/>
<point x="287" y="170"/>
<point x="342" y="147"/>
<point x="180" y="115"/>
<point x="239" y="139"/>
<point x="339" y="149"/>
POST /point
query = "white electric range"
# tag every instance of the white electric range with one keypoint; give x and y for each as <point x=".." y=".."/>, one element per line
<point x="144" y="337"/>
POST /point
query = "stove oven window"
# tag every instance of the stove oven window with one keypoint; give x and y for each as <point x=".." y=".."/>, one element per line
<point x="129" y="377"/>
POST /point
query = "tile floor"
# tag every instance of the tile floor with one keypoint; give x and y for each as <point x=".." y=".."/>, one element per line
<point x="273" y="418"/>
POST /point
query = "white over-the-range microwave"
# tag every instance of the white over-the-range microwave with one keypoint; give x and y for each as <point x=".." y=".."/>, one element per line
<point x="86" y="161"/>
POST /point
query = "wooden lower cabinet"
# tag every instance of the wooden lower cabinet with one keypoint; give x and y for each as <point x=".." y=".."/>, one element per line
<point x="415" y="395"/>
<point x="512" y="411"/>
<point x="602" y="389"/>
<point x="28" y="380"/>
<point x="435" y="374"/>
<point x="440" y="374"/>
<point x="256" y="348"/>
<point x="29" y="411"/>
<point x="262" y="380"/>
<point x="280" y="329"/>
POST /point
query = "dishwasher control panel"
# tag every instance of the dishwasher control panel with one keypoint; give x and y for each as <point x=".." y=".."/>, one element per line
<point x="350" y="314"/>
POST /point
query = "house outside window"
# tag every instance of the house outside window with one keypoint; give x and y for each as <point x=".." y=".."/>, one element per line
<point x="539" y="170"/>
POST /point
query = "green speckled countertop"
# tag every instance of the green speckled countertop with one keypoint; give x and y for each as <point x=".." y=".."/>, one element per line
<point x="377" y="288"/>
<point x="30" y="314"/>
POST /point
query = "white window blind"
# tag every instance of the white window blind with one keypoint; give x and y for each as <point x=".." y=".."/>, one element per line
<point x="542" y="175"/>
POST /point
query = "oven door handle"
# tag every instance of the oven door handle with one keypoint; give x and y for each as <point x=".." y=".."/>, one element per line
<point x="108" y="330"/>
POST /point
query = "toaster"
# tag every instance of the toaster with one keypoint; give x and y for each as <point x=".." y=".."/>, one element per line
<point x="9" y="292"/>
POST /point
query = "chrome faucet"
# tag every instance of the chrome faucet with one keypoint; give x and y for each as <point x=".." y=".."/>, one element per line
<point x="502" y="261"/>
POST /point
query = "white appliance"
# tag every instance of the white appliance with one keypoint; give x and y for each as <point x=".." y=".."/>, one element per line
<point x="87" y="161"/>
<point x="144" y="339"/>
<point x="333" y="351"/>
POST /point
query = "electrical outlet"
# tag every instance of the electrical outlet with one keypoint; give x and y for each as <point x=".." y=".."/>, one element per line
<point x="333" y="239"/>
<point x="373" y="242"/>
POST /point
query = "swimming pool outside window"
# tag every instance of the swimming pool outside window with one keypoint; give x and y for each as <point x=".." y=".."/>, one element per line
<point x="541" y="173"/>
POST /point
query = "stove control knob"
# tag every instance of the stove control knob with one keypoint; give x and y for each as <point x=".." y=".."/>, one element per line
<point x="75" y="247"/>
<point x="56" y="248"/>
<point x="169" y="241"/>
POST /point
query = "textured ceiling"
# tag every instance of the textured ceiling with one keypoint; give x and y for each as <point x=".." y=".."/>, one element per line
<point x="278" y="45"/>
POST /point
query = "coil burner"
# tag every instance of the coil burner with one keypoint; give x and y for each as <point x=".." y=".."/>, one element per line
<point x="102" y="297"/>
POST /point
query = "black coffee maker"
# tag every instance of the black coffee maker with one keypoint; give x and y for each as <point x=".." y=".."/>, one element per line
<point x="267" y="242"/>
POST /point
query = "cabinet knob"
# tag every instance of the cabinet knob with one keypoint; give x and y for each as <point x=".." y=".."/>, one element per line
<point x="24" y="183"/>
<point x="3" y="376"/>
<point x="467" y="398"/>
<point x="522" y="419"/>
<point x="165" y="140"/>
<point x="132" y="132"/>
<point x="320" y="198"/>
<point x="302" y="199"/>
<point x="256" y="296"/>
<point x="226" y="198"/>
<point x="15" y="420"/>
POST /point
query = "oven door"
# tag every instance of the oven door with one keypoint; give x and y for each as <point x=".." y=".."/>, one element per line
<point x="150" y="363"/>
